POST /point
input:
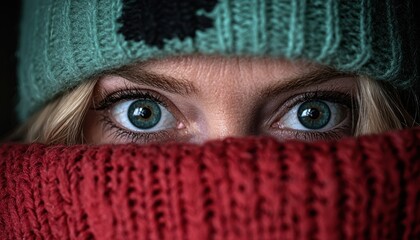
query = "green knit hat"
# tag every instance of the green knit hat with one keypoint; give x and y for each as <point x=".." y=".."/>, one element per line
<point x="64" y="42"/>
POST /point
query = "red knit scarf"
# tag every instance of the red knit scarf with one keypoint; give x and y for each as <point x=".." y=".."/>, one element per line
<point x="253" y="188"/>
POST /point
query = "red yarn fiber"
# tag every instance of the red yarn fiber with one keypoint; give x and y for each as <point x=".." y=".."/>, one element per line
<point x="252" y="188"/>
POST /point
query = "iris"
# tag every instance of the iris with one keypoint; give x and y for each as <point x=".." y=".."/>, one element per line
<point x="144" y="113"/>
<point x="314" y="114"/>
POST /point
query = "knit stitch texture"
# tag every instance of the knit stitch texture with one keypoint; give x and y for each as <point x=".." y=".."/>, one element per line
<point x="252" y="188"/>
<point x="65" y="42"/>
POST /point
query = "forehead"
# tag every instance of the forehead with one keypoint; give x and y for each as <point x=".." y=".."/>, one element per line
<point x="207" y="72"/>
<point x="227" y="66"/>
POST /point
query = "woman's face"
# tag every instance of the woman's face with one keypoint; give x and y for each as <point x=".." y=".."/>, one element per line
<point x="197" y="98"/>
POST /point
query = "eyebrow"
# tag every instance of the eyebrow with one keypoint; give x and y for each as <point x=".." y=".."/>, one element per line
<point x="159" y="81"/>
<point x="311" y="78"/>
<point x="170" y="84"/>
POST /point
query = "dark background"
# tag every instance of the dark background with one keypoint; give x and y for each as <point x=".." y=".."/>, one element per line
<point x="8" y="92"/>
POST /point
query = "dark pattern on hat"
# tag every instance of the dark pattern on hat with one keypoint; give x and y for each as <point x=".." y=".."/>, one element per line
<point x="153" y="21"/>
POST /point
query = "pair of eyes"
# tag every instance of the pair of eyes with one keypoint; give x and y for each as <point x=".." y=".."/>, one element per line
<point x="139" y="115"/>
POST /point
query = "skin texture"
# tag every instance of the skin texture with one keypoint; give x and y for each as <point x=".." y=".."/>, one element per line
<point x="219" y="97"/>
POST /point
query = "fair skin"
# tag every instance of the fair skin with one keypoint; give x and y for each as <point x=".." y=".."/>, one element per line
<point x="202" y="98"/>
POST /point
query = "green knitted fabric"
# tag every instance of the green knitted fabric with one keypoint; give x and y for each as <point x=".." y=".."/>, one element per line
<point x="64" y="42"/>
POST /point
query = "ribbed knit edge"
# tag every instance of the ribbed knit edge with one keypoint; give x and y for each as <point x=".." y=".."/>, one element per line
<point x="66" y="42"/>
<point x="250" y="188"/>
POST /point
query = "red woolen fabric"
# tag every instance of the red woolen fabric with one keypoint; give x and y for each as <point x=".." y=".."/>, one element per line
<point x="253" y="188"/>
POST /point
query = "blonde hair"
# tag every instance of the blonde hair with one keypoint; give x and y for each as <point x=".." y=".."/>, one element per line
<point x="61" y="121"/>
<point x="379" y="108"/>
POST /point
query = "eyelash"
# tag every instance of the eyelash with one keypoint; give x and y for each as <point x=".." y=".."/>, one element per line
<point x="345" y="99"/>
<point x="129" y="94"/>
<point x="312" y="135"/>
<point x="335" y="97"/>
<point x="120" y="133"/>
<point x="145" y="137"/>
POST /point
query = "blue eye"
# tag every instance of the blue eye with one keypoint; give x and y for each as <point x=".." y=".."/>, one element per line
<point x="143" y="115"/>
<point x="314" y="115"/>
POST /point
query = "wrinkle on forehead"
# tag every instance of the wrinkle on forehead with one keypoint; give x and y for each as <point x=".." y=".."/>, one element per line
<point x="196" y="63"/>
<point x="239" y="74"/>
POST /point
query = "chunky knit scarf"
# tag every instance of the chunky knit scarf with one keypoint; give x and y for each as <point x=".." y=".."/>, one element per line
<point x="252" y="188"/>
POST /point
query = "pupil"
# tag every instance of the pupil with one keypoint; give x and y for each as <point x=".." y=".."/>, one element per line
<point x="313" y="113"/>
<point x="143" y="112"/>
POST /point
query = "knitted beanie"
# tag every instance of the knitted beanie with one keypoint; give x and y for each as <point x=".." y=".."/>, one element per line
<point x="67" y="41"/>
<point x="254" y="188"/>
